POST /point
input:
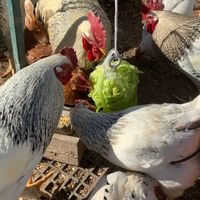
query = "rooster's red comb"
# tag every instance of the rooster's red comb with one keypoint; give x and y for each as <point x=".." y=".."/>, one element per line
<point x="71" y="54"/>
<point x="97" y="29"/>
<point x="153" y="5"/>
<point x="150" y="5"/>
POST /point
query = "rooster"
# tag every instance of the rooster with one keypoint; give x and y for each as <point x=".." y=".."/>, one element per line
<point x="80" y="24"/>
<point x="127" y="186"/>
<point x="173" y="38"/>
<point x="31" y="103"/>
<point x="162" y="141"/>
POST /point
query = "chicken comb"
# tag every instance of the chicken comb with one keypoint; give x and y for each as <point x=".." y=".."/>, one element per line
<point x="97" y="29"/>
<point x="71" y="54"/>
<point x="152" y="5"/>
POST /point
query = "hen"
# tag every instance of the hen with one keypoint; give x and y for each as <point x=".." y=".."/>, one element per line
<point x="184" y="7"/>
<point x="129" y="186"/>
<point x="159" y="140"/>
<point x="72" y="23"/>
<point x="31" y="103"/>
<point x="33" y="29"/>
<point x="174" y="39"/>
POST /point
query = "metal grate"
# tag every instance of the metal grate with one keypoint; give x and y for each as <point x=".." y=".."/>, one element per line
<point x="71" y="182"/>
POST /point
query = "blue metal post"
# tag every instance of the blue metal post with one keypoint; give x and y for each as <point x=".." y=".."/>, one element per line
<point x="16" y="33"/>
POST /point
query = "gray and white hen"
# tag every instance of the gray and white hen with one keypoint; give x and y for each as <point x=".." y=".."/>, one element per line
<point x="172" y="38"/>
<point x="159" y="140"/>
<point x="31" y="103"/>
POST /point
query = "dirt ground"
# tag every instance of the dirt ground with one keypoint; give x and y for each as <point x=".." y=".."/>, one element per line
<point x="157" y="85"/>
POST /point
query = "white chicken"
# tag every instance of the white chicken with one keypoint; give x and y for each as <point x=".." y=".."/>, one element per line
<point x="127" y="186"/>
<point x="31" y="103"/>
<point x="173" y="39"/>
<point x="81" y="24"/>
<point x="184" y="7"/>
<point x="162" y="141"/>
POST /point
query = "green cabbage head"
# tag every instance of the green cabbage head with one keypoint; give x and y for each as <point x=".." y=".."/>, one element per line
<point x="115" y="92"/>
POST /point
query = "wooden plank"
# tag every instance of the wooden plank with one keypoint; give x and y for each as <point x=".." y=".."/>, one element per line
<point x="16" y="33"/>
<point x="66" y="149"/>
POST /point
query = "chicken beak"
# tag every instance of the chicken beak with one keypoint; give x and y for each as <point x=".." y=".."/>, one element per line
<point x="103" y="51"/>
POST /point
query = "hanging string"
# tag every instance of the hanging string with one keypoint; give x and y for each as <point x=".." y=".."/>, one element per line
<point x="113" y="59"/>
<point x="116" y="25"/>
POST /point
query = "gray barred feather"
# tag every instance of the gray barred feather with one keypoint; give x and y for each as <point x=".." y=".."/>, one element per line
<point x="97" y="135"/>
<point x="27" y="110"/>
<point x="174" y="33"/>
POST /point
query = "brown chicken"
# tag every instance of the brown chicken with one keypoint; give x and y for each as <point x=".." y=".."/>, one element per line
<point x="35" y="35"/>
<point x="78" y="86"/>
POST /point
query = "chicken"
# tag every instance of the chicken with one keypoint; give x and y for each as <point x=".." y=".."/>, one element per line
<point x="33" y="25"/>
<point x="38" y="52"/>
<point x="174" y="39"/>
<point x="129" y="186"/>
<point x="77" y="88"/>
<point x="162" y="141"/>
<point x="31" y="103"/>
<point x="197" y="8"/>
<point x="33" y="29"/>
<point x="197" y="4"/>
<point x="35" y="35"/>
<point x="80" y="24"/>
<point x="184" y="7"/>
<point x="5" y="45"/>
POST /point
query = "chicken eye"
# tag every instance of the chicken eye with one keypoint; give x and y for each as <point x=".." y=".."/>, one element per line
<point x="58" y="69"/>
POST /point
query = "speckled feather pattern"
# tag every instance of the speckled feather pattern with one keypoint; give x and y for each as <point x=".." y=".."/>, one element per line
<point x="31" y="103"/>
<point x="174" y="33"/>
